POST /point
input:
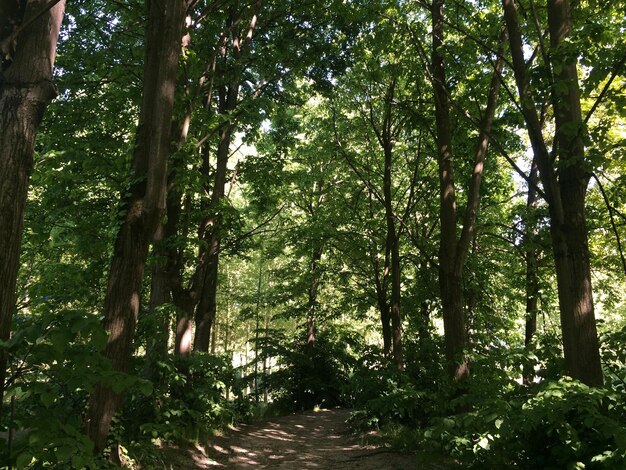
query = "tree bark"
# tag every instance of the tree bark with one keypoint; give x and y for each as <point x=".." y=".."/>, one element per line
<point x="453" y="253"/>
<point x="163" y="272"/>
<point x="183" y="298"/>
<point x="385" y="319"/>
<point x="381" y="280"/>
<point x="311" y="310"/>
<point x="392" y="242"/>
<point x="26" y="89"/>
<point x="143" y="207"/>
<point x="580" y="338"/>
<point x="207" y="303"/>
<point x="568" y="227"/>
<point x="206" y="308"/>
<point x="165" y="283"/>
<point x="450" y="285"/>
<point x="394" y="249"/>
<point x="532" y="277"/>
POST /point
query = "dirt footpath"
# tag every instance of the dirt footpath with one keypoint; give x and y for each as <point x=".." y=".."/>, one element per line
<point x="311" y="440"/>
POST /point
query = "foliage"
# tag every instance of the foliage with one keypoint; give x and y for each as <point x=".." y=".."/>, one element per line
<point x="311" y="375"/>
<point x="188" y="397"/>
<point x="388" y="396"/>
<point x="305" y="175"/>
<point x="55" y="364"/>
<point x="555" y="424"/>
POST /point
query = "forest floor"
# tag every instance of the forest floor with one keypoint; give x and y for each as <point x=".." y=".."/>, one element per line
<point x="313" y="440"/>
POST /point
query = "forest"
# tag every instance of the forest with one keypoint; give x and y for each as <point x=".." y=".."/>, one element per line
<point x="216" y="212"/>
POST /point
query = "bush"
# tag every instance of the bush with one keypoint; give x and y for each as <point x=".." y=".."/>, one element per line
<point x="189" y="396"/>
<point x="54" y="365"/>
<point x="564" y="424"/>
<point x="310" y="375"/>
<point x="382" y="395"/>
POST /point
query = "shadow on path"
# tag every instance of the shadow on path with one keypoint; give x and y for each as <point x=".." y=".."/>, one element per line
<point x="313" y="440"/>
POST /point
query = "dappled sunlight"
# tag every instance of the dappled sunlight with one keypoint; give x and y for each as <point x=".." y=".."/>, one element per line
<point x="320" y="439"/>
<point x="220" y="449"/>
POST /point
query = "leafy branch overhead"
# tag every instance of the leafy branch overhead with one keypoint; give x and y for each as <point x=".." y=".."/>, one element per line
<point x="216" y="211"/>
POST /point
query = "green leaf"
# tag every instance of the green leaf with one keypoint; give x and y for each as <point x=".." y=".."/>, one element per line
<point x="23" y="460"/>
<point x="64" y="453"/>
<point x="47" y="399"/>
<point x="146" y="387"/>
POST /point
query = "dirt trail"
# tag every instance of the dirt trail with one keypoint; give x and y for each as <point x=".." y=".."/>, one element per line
<point x="311" y="440"/>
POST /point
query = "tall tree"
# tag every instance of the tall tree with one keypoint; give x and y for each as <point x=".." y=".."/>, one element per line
<point x="564" y="183"/>
<point x="453" y="250"/>
<point x="234" y="44"/>
<point x="387" y="139"/>
<point x="28" y="37"/>
<point x="143" y="205"/>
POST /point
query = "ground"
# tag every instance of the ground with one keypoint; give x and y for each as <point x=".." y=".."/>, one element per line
<point x="313" y="440"/>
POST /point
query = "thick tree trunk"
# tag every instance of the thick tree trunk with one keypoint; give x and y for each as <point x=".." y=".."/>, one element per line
<point x="166" y="282"/>
<point x="206" y="308"/>
<point x="26" y="89"/>
<point x="162" y="279"/>
<point x="450" y="282"/>
<point x="184" y="327"/>
<point x="143" y="207"/>
<point x="567" y="219"/>
<point x="183" y="298"/>
<point x="580" y="338"/>
<point x="164" y="276"/>
<point x="452" y="253"/>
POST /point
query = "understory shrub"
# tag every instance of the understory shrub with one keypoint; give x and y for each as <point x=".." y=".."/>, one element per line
<point x="311" y="375"/>
<point x="189" y="398"/>
<point x="553" y="423"/>
<point x="54" y="364"/>
<point x="561" y="424"/>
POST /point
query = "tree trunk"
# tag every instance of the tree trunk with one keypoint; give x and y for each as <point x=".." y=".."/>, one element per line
<point x="207" y="303"/>
<point x="311" y="309"/>
<point x="184" y="327"/>
<point x="143" y="207"/>
<point x="206" y="308"/>
<point x="385" y="319"/>
<point x="392" y="242"/>
<point x="394" y="249"/>
<point x="423" y="327"/>
<point x="567" y="220"/>
<point x="183" y="298"/>
<point x="26" y="89"/>
<point x="452" y="253"/>
<point x="532" y="277"/>
<point x="381" y="280"/>
<point x="166" y="283"/>
<point x="161" y="284"/>
<point x="396" y="314"/>
<point x="580" y="338"/>
<point x="450" y="283"/>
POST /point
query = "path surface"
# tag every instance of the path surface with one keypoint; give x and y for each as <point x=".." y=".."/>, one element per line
<point x="311" y="440"/>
